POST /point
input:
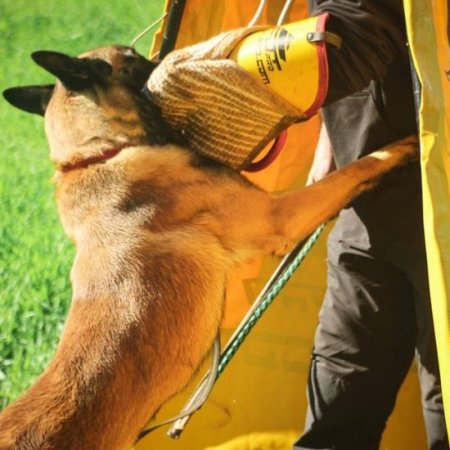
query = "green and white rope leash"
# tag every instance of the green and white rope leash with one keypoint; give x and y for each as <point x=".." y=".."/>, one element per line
<point x="276" y="283"/>
<point x="274" y="286"/>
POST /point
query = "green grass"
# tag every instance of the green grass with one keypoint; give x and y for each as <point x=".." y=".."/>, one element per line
<point x="35" y="256"/>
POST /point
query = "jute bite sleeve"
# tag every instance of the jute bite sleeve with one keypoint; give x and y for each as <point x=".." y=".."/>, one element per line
<point x="223" y="111"/>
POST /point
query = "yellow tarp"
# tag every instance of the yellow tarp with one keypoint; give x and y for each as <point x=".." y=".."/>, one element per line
<point x="428" y="36"/>
<point x="259" y="402"/>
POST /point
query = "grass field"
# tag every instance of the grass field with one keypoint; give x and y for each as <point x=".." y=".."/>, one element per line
<point x="35" y="256"/>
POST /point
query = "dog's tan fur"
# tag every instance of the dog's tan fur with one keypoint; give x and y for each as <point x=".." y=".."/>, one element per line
<point x="156" y="230"/>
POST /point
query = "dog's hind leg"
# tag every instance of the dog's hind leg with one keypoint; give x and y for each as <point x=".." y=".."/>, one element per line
<point x="123" y="354"/>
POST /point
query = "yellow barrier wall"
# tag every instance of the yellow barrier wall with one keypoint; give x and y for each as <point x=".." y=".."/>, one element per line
<point x="260" y="400"/>
<point x="427" y="22"/>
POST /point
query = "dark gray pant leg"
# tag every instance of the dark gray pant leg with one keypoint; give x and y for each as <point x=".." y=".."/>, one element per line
<point x="364" y="346"/>
<point x="376" y="313"/>
<point x="413" y="261"/>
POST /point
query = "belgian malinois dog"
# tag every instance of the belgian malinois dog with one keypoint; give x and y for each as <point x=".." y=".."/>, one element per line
<point x="157" y="229"/>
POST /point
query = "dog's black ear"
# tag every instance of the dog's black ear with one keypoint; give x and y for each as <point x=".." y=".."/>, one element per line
<point x="32" y="99"/>
<point x="75" y="74"/>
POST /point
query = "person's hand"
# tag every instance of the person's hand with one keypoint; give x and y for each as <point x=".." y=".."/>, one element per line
<point x="323" y="162"/>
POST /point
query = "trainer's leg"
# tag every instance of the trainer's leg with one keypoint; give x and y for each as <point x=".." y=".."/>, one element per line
<point x="364" y="345"/>
<point x="408" y="252"/>
<point x="430" y="383"/>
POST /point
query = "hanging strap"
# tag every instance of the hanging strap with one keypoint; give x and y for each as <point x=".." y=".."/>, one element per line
<point x="172" y="28"/>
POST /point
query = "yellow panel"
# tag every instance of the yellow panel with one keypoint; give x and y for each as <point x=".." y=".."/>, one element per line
<point x="427" y="29"/>
<point x="260" y="400"/>
<point x="206" y="18"/>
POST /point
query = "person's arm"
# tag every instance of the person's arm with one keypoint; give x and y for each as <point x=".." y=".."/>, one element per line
<point x="323" y="162"/>
<point x="373" y="37"/>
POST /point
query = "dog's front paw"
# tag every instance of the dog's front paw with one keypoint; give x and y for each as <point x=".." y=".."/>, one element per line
<point x="401" y="152"/>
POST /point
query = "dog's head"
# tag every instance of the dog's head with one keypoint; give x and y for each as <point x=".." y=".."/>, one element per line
<point x="96" y="103"/>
